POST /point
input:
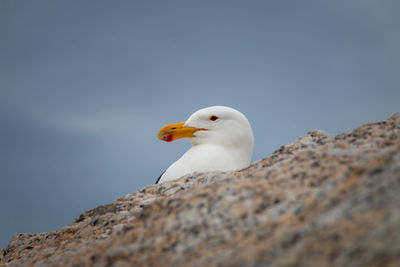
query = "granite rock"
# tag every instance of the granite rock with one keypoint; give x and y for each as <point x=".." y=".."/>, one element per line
<point x="324" y="200"/>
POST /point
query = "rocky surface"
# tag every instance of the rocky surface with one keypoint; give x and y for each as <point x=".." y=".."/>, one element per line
<point x="324" y="200"/>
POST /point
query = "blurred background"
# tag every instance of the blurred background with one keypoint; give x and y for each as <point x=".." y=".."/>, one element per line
<point x="86" y="85"/>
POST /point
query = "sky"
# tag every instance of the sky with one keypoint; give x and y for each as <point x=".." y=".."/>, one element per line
<point x="86" y="85"/>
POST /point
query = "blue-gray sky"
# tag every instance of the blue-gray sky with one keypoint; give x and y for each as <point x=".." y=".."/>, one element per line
<point x="85" y="86"/>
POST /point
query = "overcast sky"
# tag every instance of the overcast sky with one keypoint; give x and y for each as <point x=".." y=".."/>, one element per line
<point x="85" y="86"/>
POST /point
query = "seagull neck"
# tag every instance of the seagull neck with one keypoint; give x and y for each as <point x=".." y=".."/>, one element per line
<point x="210" y="147"/>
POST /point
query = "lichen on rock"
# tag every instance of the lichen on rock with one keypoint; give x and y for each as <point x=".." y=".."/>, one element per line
<point x="325" y="199"/>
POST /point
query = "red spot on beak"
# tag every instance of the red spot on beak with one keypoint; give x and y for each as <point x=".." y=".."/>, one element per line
<point x="168" y="137"/>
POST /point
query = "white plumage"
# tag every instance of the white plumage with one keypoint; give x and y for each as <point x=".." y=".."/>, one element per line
<point x="222" y="140"/>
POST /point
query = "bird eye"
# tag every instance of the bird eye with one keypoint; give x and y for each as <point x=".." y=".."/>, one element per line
<point x="213" y="118"/>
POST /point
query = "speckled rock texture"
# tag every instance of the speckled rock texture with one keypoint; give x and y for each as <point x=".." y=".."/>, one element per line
<point x="324" y="200"/>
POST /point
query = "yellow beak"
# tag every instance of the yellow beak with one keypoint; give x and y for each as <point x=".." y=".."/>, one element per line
<point x="176" y="131"/>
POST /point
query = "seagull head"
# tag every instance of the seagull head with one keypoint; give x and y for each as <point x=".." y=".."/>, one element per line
<point x="217" y="125"/>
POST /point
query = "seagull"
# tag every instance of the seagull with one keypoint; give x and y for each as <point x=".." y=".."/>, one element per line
<point x="221" y="137"/>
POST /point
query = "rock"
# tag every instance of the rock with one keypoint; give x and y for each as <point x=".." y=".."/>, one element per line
<point x="324" y="200"/>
